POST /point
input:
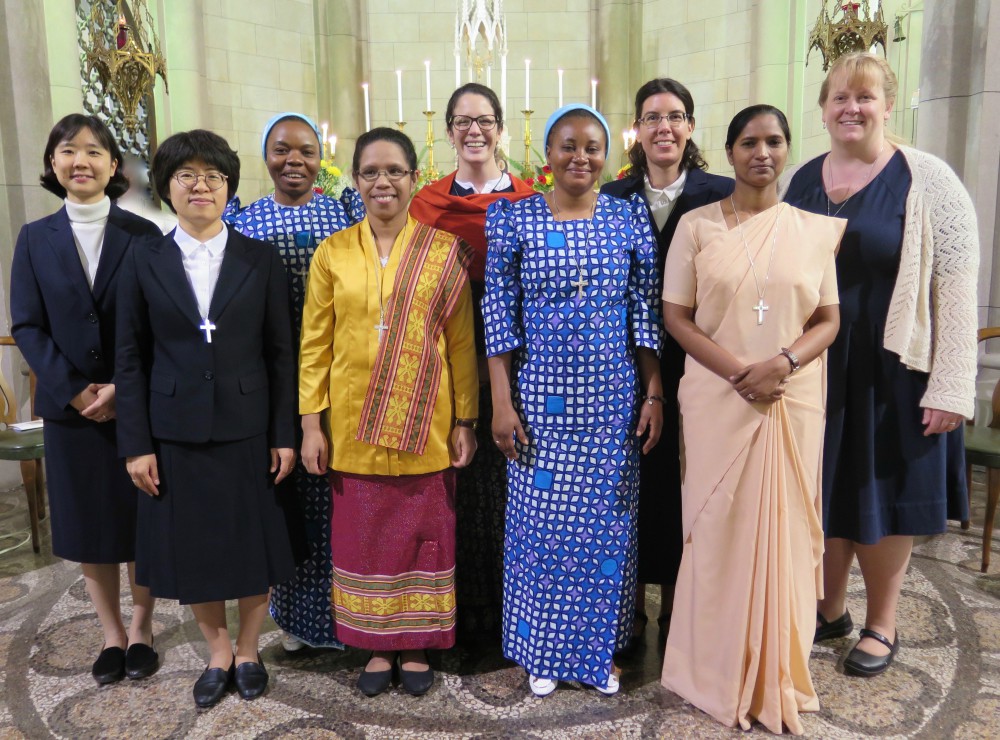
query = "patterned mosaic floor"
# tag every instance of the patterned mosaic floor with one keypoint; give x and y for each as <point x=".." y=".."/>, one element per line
<point x="946" y="682"/>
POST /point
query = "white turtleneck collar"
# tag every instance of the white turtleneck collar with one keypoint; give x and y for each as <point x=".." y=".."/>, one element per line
<point x="88" y="213"/>
<point x="88" y="222"/>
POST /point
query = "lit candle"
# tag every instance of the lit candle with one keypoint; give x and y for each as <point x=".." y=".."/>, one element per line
<point x="368" y="115"/>
<point x="333" y="146"/>
<point x="503" y="82"/>
<point x="527" y="84"/>
<point x="323" y="126"/>
<point x="399" y="94"/>
<point x="593" y="94"/>
<point x="560" y="88"/>
<point x="625" y="138"/>
<point x="427" y="71"/>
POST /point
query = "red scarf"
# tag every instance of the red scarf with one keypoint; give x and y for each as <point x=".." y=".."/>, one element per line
<point x="465" y="216"/>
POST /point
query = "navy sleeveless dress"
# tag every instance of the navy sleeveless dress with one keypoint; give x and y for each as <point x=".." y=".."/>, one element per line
<point x="881" y="476"/>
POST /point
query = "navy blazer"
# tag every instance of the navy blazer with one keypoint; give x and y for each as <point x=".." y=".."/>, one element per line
<point x="65" y="329"/>
<point x="172" y="383"/>
<point x="700" y="189"/>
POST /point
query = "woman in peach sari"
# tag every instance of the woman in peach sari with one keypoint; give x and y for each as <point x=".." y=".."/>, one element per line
<point x="750" y="293"/>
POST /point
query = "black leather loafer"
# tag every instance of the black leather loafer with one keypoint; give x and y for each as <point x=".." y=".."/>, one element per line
<point x="251" y="678"/>
<point x="141" y="661"/>
<point x="212" y="685"/>
<point x="416" y="683"/>
<point x="866" y="665"/>
<point x="373" y="683"/>
<point x="842" y="626"/>
<point x="109" y="666"/>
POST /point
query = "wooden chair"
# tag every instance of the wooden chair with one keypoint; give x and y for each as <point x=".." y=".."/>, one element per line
<point x="28" y="448"/>
<point x="982" y="447"/>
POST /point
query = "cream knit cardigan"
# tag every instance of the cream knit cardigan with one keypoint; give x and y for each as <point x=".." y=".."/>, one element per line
<point x="932" y="322"/>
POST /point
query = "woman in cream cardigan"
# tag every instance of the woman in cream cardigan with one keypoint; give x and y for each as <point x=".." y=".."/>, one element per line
<point x="902" y="370"/>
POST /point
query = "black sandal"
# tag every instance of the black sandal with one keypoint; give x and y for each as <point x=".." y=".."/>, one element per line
<point x="842" y="626"/>
<point x="866" y="665"/>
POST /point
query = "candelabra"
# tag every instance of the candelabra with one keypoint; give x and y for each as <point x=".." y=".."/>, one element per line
<point x="432" y="173"/>
<point x="527" y="138"/>
<point x="400" y="124"/>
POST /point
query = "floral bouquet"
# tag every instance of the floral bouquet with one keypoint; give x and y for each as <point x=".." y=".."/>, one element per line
<point x="331" y="180"/>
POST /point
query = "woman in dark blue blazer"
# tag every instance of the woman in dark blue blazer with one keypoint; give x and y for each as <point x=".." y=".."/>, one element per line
<point x="668" y="172"/>
<point x="64" y="281"/>
<point x="206" y="406"/>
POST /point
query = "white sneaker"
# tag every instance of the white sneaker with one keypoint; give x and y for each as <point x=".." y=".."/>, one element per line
<point x="611" y="687"/>
<point x="291" y="643"/>
<point x="541" y="686"/>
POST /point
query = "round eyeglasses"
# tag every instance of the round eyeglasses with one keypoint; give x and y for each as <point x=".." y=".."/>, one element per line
<point x="464" y="123"/>
<point x="395" y="174"/>
<point x="213" y="180"/>
<point x="674" y="118"/>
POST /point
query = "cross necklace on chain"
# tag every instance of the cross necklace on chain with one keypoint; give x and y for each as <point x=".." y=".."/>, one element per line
<point x="581" y="281"/>
<point x="381" y="327"/>
<point x="761" y="307"/>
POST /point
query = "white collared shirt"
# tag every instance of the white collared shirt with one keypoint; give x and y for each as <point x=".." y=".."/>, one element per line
<point x="202" y="262"/>
<point x="661" y="200"/>
<point x="499" y="183"/>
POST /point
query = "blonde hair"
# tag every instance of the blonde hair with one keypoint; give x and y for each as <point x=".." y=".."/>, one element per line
<point x="862" y="67"/>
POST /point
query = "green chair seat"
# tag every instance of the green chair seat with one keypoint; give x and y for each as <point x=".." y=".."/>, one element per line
<point x="982" y="446"/>
<point x="21" y="445"/>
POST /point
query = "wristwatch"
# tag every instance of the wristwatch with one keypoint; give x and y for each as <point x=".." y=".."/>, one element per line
<point x="472" y="424"/>
<point x="792" y="358"/>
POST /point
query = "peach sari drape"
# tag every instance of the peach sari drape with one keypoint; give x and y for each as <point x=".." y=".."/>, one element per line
<point x="745" y="603"/>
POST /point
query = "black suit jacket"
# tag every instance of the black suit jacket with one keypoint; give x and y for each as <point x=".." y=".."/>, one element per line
<point x="173" y="384"/>
<point x="65" y="330"/>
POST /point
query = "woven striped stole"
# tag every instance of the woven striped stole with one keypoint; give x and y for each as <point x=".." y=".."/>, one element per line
<point x="403" y="388"/>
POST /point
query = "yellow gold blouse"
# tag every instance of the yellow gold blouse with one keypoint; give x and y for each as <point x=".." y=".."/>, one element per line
<point x="340" y="344"/>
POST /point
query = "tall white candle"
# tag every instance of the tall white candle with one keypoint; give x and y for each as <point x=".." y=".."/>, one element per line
<point x="368" y="113"/>
<point x="503" y="82"/>
<point x="527" y="84"/>
<point x="322" y="146"/>
<point x="593" y="94"/>
<point x="560" y="88"/>
<point x="427" y="71"/>
<point x="333" y="146"/>
<point x="399" y="94"/>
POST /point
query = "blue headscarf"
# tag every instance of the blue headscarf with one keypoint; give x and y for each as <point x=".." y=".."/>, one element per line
<point x="281" y="117"/>
<point x="554" y="118"/>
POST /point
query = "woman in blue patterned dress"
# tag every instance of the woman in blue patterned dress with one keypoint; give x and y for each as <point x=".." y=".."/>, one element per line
<point x="295" y="219"/>
<point x="571" y="289"/>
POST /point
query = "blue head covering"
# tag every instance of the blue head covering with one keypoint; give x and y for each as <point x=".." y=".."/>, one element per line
<point x="554" y="118"/>
<point x="281" y="117"/>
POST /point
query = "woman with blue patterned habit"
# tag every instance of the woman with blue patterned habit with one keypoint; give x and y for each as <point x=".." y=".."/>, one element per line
<point x="295" y="219"/>
<point x="572" y="334"/>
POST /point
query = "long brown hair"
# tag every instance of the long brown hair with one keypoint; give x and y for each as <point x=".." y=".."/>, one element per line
<point x="691" y="159"/>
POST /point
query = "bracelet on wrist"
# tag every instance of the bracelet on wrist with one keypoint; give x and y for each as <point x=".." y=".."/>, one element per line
<point x="651" y="398"/>
<point x="792" y="358"/>
<point x="472" y="424"/>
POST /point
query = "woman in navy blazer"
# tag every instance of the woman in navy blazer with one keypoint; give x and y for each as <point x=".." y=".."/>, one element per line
<point x="668" y="172"/>
<point x="206" y="404"/>
<point x="64" y="281"/>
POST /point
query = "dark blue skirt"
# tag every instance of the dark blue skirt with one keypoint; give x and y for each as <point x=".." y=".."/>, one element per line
<point x="91" y="499"/>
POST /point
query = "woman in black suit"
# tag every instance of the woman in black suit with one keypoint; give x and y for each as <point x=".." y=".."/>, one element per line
<point x="206" y="406"/>
<point x="64" y="281"/>
<point x="668" y="172"/>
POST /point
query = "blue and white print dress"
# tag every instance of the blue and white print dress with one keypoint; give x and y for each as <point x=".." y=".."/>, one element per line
<point x="301" y="606"/>
<point x="570" y="542"/>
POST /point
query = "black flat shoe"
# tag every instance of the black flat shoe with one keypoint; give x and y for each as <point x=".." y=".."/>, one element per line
<point x="663" y="625"/>
<point x="635" y="638"/>
<point x="373" y="683"/>
<point x="866" y="665"/>
<point x="109" y="666"/>
<point x="212" y="685"/>
<point x="251" y="678"/>
<point x="842" y="626"/>
<point x="141" y="661"/>
<point x="416" y="683"/>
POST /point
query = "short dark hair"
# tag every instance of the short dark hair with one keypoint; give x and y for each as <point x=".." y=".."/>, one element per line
<point x="65" y="129"/>
<point x="578" y="113"/>
<point x="179" y="149"/>
<point x="691" y="159"/>
<point x="474" y="88"/>
<point x="741" y="119"/>
<point x="384" y="133"/>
